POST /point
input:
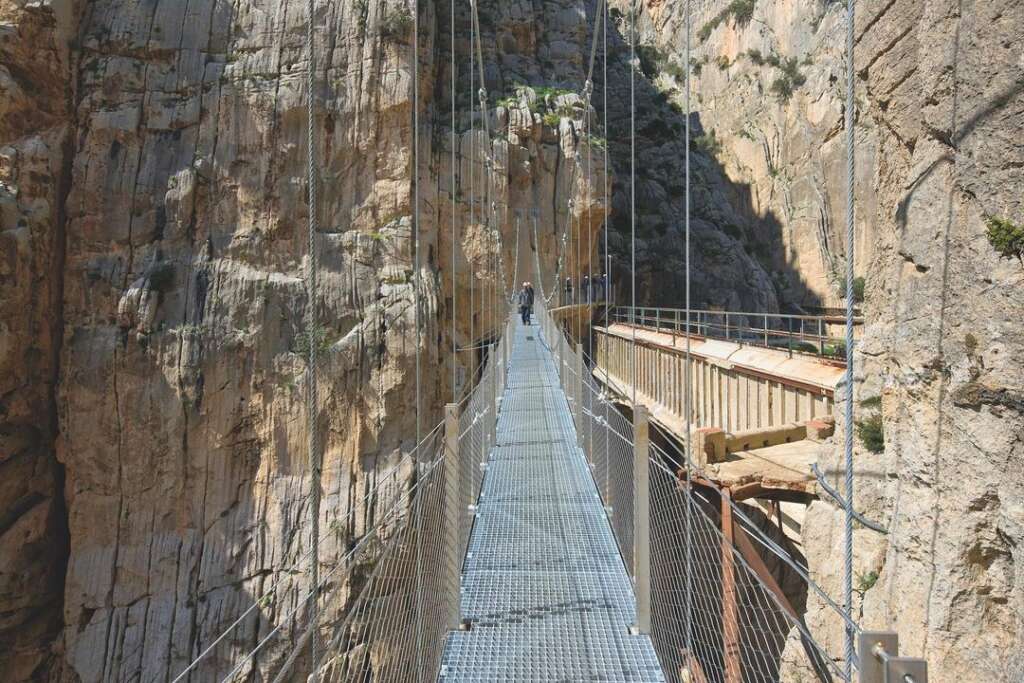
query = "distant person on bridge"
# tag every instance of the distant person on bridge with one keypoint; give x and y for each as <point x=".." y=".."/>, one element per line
<point x="524" y="304"/>
<point x="568" y="291"/>
<point x="585" y="290"/>
<point x="529" y="291"/>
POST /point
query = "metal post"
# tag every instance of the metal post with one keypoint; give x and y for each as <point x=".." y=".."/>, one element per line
<point x="726" y="325"/>
<point x="492" y="424"/>
<point x="641" y="520"/>
<point x="577" y="398"/>
<point x="766" y="329"/>
<point x="730" y="620"/>
<point x="453" y="514"/>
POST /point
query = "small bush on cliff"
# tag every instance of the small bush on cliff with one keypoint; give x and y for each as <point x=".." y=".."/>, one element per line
<point x="742" y="11"/>
<point x="870" y="433"/>
<point x="858" y="289"/>
<point x="1005" y="237"/>
<point x="552" y="119"/>
<point x="397" y="24"/>
<point x="708" y="143"/>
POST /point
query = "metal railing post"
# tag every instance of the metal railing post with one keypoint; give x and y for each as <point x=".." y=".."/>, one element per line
<point x="641" y="520"/>
<point x="577" y="391"/>
<point x="727" y="326"/>
<point x="492" y="424"/>
<point x="452" y="486"/>
<point x="766" y="329"/>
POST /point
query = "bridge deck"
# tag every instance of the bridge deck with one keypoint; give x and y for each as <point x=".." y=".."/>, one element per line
<point x="544" y="586"/>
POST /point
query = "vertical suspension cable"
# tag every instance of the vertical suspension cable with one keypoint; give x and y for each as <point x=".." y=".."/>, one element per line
<point x="688" y="382"/>
<point x="607" y="259"/>
<point x="417" y="302"/>
<point x="848" y="413"/>
<point x="453" y="193"/>
<point x="632" y="192"/>
<point x="588" y="88"/>
<point x="472" y="216"/>
<point x="313" y="336"/>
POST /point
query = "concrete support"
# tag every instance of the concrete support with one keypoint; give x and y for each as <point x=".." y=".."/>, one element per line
<point x="452" y="486"/>
<point x="642" y="520"/>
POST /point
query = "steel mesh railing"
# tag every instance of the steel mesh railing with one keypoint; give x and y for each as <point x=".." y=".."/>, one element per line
<point x="725" y="623"/>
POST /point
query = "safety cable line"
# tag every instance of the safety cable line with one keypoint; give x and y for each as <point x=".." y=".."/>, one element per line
<point x="315" y="589"/>
<point x="287" y="572"/>
<point x="632" y="177"/>
<point x="454" y="202"/>
<point x="606" y="280"/>
<point x="689" y="358"/>
<point x="417" y="305"/>
<point x="685" y="464"/>
<point x="312" y="333"/>
<point x="848" y="412"/>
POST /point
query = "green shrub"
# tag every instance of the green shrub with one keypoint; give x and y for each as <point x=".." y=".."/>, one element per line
<point x="552" y="119"/>
<point x="835" y="347"/>
<point x="870" y="433"/>
<point x="741" y="11"/>
<point x="755" y="56"/>
<point x="708" y="143"/>
<point x="858" y="289"/>
<point x="866" y="581"/>
<point x="320" y="338"/>
<point x="723" y="62"/>
<point x="782" y="88"/>
<point x="397" y="24"/>
<point x="1005" y="237"/>
<point x="871" y="402"/>
<point x="675" y="70"/>
<point x="651" y="59"/>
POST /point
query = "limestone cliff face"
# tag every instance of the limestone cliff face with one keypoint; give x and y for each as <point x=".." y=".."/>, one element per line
<point x="768" y="92"/>
<point x="36" y="134"/>
<point x="152" y="196"/>
<point x="940" y="106"/>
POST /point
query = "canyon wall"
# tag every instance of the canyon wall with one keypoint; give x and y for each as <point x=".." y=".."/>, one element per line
<point x="940" y="103"/>
<point x="36" y="136"/>
<point x="153" y="198"/>
<point x="153" y="458"/>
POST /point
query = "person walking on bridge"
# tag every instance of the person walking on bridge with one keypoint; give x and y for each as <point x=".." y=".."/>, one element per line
<point x="529" y="291"/>
<point x="524" y="304"/>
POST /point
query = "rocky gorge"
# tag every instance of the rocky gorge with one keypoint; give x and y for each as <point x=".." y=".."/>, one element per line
<point x="153" y="452"/>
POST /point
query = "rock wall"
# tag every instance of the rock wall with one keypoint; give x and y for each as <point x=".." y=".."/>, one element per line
<point x="153" y="199"/>
<point x="768" y="93"/>
<point x="36" y="134"/>
<point x="939" y="98"/>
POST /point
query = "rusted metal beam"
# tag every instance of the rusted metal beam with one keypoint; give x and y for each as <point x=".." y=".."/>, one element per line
<point x="730" y="606"/>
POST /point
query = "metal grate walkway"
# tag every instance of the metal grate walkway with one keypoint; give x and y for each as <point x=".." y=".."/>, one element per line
<point x="543" y="585"/>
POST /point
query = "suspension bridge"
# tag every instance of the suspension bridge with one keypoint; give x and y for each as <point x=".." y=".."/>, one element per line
<point x="544" y="530"/>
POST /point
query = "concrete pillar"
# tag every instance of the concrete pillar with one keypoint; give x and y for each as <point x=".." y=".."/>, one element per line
<point x="641" y="520"/>
<point x="453" y="514"/>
